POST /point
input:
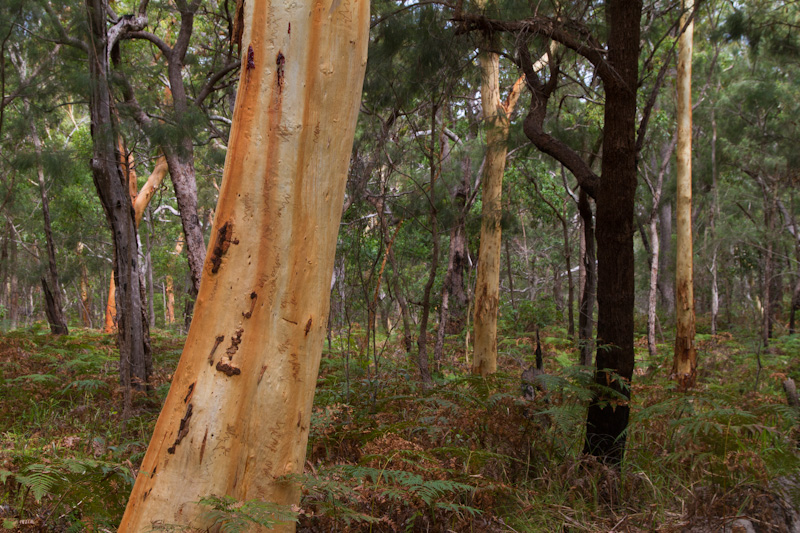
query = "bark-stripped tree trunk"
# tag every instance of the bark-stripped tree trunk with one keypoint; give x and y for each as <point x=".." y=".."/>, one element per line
<point x="238" y="412"/>
<point x="54" y="306"/>
<point x="487" y="288"/>
<point x="684" y="365"/>
<point x="135" y="362"/>
<point x="666" y="281"/>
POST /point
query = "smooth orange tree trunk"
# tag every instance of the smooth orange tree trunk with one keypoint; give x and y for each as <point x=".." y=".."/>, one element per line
<point x="237" y="416"/>
<point x="684" y="366"/>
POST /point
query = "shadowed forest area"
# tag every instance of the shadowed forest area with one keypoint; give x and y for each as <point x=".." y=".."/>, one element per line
<point x="540" y="271"/>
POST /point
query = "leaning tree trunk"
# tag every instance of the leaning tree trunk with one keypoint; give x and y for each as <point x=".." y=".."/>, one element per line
<point x="135" y="363"/>
<point x="51" y="285"/>
<point x="237" y="416"/>
<point x="684" y="365"/>
<point x="607" y="418"/>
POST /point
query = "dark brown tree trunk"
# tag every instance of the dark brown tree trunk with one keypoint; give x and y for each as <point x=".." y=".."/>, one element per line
<point x="453" y="311"/>
<point x="570" y="282"/>
<point x="54" y="306"/>
<point x="794" y="308"/>
<point x="585" y="318"/>
<point x="607" y="419"/>
<point x="422" y="340"/>
<point x="114" y="195"/>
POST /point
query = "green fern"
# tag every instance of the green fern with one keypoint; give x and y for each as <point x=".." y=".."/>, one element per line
<point x="228" y="515"/>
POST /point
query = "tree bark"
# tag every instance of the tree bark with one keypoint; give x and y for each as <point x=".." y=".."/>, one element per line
<point x="452" y="321"/>
<point x="238" y="412"/>
<point x="135" y="363"/>
<point x="51" y="285"/>
<point x="585" y="317"/>
<point x="487" y="288"/>
<point x="607" y="418"/>
<point x="666" y="280"/>
<point x="86" y="299"/>
<point x="684" y="365"/>
<point x="434" y="161"/>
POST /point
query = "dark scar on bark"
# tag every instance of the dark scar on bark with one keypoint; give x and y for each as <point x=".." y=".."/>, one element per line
<point x="189" y="394"/>
<point x="261" y="374"/>
<point x="183" y="430"/>
<point x="217" y="342"/>
<point x="308" y="326"/>
<point x="280" y="61"/>
<point x="224" y="241"/>
<point x="224" y="365"/>
<point x="251" y="58"/>
<point x="253" y="297"/>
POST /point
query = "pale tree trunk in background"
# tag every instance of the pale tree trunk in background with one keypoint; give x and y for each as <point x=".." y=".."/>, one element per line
<point x="51" y="286"/>
<point x="684" y="366"/>
<point x="238" y="412"/>
<point x="487" y="287"/>
<point x="666" y="281"/>
<point x="86" y="299"/>
<point x="171" y="284"/>
<point x="712" y="223"/>
<point x="655" y="243"/>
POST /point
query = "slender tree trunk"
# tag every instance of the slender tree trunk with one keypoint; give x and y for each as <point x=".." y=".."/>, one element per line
<point x="684" y="366"/>
<point x="51" y="285"/>
<point x="795" y="308"/>
<point x="607" y="418"/>
<point x="666" y="280"/>
<point x="570" y="284"/>
<point x="453" y="285"/>
<point x="652" y="295"/>
<point x="712" y="223"/>
<point x="85" y="290"/>
<point x="585" y="318"/>
<point x="422" y="340"/>
<point x="487" y="288"/>
<point x="237" y="416"/>
<point x="114" y="195"/>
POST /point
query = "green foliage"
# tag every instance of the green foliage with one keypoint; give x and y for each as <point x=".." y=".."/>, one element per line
<point x="228" y="515"/>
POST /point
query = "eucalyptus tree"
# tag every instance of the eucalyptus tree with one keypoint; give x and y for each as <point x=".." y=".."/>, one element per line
<point x="237" y="417"/>
<point x="616" y="64"/>
<point x="684" y="365"/>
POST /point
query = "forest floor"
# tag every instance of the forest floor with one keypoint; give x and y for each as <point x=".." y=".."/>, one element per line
<point x="386" y="454"/>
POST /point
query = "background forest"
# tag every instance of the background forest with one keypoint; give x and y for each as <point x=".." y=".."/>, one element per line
<point x="408" y="431"/>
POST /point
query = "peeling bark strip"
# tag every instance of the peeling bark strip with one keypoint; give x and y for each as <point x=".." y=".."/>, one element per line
<point x="224" y="242"/>
<point x="217" y="342"/>
<point x="253" y="297"/>
<point x="236" y="340"/>
<point x="183" y="430"/>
